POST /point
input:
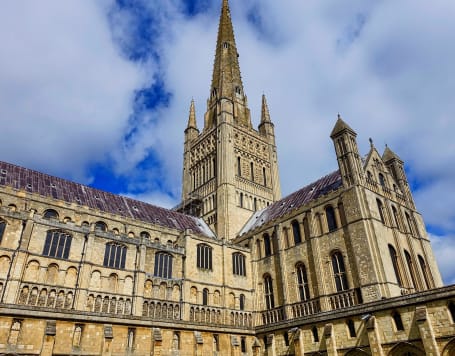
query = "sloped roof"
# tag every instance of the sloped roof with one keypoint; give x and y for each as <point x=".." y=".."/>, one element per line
<point x="295" y="200"/>
<point x="53" y="187"/>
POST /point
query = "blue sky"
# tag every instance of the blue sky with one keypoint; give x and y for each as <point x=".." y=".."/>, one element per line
<point x="99" y="91"/>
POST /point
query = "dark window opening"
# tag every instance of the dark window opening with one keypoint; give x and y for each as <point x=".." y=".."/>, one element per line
<point x="204" y="256"/>
<point x="57" y="244"/>
<point x="351" y="328"/>
<point x="296" y="232"/>
<point x="302" y="282"/>
<point x="267" y="246"/>
<point x="394" y="257"/>
<point x="268" y="292"/>
<point x="163" y="265"/>
<point x="331" y="220"/>
<point x="238" y="264"/>
<point x="205" y="296"/>
<point x="314" y="331"/>
<point x="398" y="322"/>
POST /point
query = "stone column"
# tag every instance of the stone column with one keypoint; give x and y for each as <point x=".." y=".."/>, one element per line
<point x="49" y="339"/>
<point x="330" y="340"/>
<point x="373" y="337"/>
<point x="426" y="331"/>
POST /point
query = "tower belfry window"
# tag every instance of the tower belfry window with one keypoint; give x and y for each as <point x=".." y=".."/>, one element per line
<point x="225" y="45"/>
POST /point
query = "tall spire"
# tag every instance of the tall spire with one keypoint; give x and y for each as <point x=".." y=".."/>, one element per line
<point x="265" y="115"/>
<point x="226" y="69"/>
<point x="192" y="116"/>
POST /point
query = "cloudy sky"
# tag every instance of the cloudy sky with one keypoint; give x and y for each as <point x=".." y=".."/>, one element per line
<point x="98" y="91"/>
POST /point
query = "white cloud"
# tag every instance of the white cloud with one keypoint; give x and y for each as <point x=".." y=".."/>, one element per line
<point x="444" y="250"/>
<point x="66" y="92"/>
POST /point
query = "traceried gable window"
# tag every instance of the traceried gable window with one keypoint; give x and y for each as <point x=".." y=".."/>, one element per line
<point x="204" y="256"/>
<point x="57" y="244"/>
<point x="115" y="255"/>
<point x="339" y="272"/>
<point x="163" y="265"/>
<point x="238" y="264"/>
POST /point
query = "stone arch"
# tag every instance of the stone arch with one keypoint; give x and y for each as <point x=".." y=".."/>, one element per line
<point x="163" y="289"/>
<point x="176" y="293"/>
<point x="148" y="288"/>
<point x="193" y="293"/>
<point x="128" y="285"/>
<point x="449" y="349"/>
<point x="112" y="283"/>
<point x="70" y="277"/>
<point x="52" y="273"/>
<point x="4" y="264"/>
<point x="95" y="280"/>
<point x="31" y="273"/>
<point x="406" y="349"/>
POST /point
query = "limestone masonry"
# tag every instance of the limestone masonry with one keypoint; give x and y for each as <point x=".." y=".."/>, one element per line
<point x="343" y="266"/>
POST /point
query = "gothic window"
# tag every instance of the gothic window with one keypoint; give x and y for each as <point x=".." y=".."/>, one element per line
<point x="252" y="171"/>
<point x="205" y="296"/>
<point x="381" y="210"/>
<point x="398" y="322"/>
<point x="255" y="204"/>
<point x="267" y="245"/>
<point x="424" y="269"/>
<point x="296" y="232"/>
<point x="395" y="217"/>
<point x="239" y="167"/>
<point x="331" y="221"/>
<point x="57" y="244"/>
<point x="2" y="229"/>
<point x="351" y="328"/>
<point x="241" y="200"/>
<point x="114" y="255"/>
<point x="411" y="268"/>
<point x="314" y="331"/>
<point x="100" y="226"/>
<point x="268" y="292"/>
<point x="394" y="257"/>
<point x="381" y="179"/>
<point x="238" y="264"/>
<point x="264" y="177"/>
<point x="306" y="228"/>
<point x="243" y="344"/>
<point x="409" y="221"/>
<point x="258" y="248"/>
<point x="163" y="265"/>
<point x="50" y="214"/>
<point x="204" y="256"/>
<point x="339" y="272"/>
<point x="176" y="341"/>
<point x="242" y="302"/>
<point x="131" y="332"/>
<point x="302" y="282"/>
<point x="77" y="336"/>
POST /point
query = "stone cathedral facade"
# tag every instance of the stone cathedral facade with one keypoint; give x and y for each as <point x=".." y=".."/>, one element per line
<point x="342" y="266"/>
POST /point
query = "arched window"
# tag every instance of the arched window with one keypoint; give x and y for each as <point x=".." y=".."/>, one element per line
<point x="50" y="214"/>
<point x="351" y="327"/>
<point x="395" y="217"/>
<point x="243" y="344"/>
<point x="331" y="221"/>
<point x="255" y="204"/>
<point x="100" y="226"/>
<point x="394" y="257"/>
<point x="145" y="235"/>
<point x="163" y="265"/>
<point x="176" y="341"/>
<point x="339" y="272"/>
<point x="424" y="269"/>
<point x="115" y="255"/>
<point x="296" y="232"/>
<point x="267" y="245"/>
<point x="205" y="296"/>
<point x="409" y="221"/>
<point x="302" y="282"/>
<point x="239" y="167"/>
<point x="241" y="200"/>
<point x="381" y="179"/>
<point x="264" y="177"/>
<point x="252" y="171"/>
<point x="397" y="320"/>
<point x="258" y="248"/>
<point x="242" y="302"/>
<point x="268" y="292"/>
<point x="315" y="333"/>
<point x="381" y="210"/>
<point x="2" y="229"/>
<point x="204" y="256"/>
<point x="238" y="264"/>
<point x="411" y="268"/>
<point x="57" y="244"/>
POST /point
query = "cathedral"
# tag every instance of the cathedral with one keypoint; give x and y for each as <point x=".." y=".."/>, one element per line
<point x="343" y="266"/>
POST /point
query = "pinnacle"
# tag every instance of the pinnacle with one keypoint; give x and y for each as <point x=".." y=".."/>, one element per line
<point x="340" y="126"/>
<point x="192" y="116"/>
<point x="389" y="155"/>
<point x="265" y="115"/>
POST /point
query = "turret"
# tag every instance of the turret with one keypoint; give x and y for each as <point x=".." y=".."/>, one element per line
<point x="266" y="127"/>
<point x="191" y="131"/>
<point x="396" y="168"/>
<point x="344" y="139"/>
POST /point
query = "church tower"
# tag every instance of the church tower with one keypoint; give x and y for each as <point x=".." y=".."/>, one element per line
<point x="230" y="169"/>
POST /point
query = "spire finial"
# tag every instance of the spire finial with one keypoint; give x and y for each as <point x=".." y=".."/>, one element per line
<point x="265" y="115"/>
<point x="371" y="142"/>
